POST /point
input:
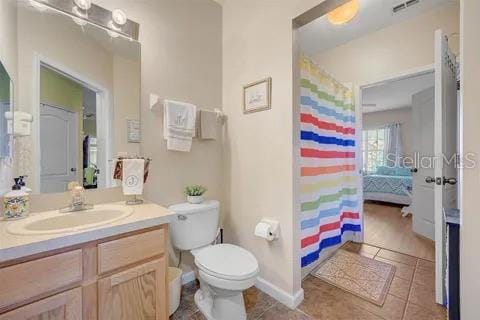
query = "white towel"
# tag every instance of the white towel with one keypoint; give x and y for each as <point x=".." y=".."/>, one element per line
<point x="179" y="125"/>
<point x="208" y="125"/>
<point x="132" y="176"/>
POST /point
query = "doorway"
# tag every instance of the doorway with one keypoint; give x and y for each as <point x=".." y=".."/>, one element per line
<point x="72" y="130"/>
<point x="398" y="130"/>
<point x="361" y="52"/>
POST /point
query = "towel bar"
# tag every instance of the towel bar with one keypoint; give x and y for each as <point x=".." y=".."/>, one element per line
<point x="156" y="103"/>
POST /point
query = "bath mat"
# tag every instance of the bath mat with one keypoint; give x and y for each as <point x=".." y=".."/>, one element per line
<point x="364" y="277"/>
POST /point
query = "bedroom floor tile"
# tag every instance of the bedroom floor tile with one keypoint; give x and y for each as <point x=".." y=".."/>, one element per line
<point x="386" y="228"/>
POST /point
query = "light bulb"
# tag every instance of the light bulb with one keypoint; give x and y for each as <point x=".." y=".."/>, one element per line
<point x="83" y="4"/>
<point x="119" y="17"/>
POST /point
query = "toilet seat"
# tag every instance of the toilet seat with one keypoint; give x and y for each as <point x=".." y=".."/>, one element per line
<point x="227" y="262"/>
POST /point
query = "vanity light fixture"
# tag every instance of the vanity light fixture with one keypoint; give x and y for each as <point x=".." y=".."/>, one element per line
<point x="83" y="12"/>
<point x="344" y="13"/>
<point x="119" y="17"/>
<point x="83" y="4"/>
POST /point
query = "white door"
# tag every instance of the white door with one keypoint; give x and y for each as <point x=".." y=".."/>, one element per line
<point x="445" y="144"/>
<point x="359" y="236"/>
<point x="58" y="148"/>
<point x="423" y="111"/>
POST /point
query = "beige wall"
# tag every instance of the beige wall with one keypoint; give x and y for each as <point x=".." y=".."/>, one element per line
<point x="126" y="88"/>
<point x="374" y="120"/>
<point x="257" y="42"/>
<point x="470" y="184"/>
<point x="8" y="57"/>
<point x="392" y="50"/>
<point x="182" y="60"/>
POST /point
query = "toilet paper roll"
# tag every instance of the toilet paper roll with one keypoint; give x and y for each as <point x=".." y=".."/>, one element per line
<point x="264" y="230"/>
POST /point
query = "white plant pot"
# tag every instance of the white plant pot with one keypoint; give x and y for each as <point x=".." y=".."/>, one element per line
<point x="195" y="199"/>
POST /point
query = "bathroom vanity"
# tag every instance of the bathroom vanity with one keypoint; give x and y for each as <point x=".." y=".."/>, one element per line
<point x="113" y="271"/>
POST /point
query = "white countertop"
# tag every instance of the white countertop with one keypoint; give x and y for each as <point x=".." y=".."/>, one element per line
<point x="17" y="246"/>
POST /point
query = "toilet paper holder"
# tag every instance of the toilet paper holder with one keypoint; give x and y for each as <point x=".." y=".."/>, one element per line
<point x="273" y="229"/>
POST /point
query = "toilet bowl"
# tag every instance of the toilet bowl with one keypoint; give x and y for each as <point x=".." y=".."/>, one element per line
<point x="224" y="270"/>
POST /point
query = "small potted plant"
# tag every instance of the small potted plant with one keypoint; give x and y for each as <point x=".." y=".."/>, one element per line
<point x="195" y="193"/>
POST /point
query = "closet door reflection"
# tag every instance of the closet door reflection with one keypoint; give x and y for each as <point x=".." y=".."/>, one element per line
<point x="59" y="141"/>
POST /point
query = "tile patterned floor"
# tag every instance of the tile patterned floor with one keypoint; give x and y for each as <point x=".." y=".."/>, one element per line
<point x="411" y="296"/>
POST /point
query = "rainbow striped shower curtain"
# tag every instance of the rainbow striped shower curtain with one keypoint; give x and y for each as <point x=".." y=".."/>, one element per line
<point x="330" y="207"/>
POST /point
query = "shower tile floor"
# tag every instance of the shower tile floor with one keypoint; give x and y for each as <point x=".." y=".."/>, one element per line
<point x="411" y="295"/>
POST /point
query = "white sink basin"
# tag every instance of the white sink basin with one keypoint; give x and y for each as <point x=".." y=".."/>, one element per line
<point x="54" y="222"/>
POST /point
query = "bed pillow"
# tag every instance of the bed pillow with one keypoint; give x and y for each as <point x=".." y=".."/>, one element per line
<point x="385" y="171"/>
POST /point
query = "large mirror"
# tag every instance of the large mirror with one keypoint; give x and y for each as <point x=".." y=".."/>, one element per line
<point x="6" y="106"/>
<point x="78" y="97"/>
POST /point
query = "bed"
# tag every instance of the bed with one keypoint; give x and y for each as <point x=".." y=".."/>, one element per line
<point x="388" y="185"/>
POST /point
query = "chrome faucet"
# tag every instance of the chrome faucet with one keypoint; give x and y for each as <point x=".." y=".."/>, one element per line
<point x="78" y="199"/>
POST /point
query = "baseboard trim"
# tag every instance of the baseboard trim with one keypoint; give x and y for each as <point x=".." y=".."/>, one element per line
<point x="188" y="277"/>
<point x="291" y="301"/>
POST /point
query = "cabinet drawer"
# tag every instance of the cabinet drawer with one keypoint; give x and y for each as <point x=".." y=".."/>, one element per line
<point x="31" y="279"/>
<point x="123" y="252"/>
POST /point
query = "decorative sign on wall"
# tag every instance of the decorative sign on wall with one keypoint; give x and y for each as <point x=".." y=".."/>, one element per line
<point x="133" y="131"/>
<point x="257" y="96"/>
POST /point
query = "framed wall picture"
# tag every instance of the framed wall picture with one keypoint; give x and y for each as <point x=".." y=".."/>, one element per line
<point x="257" y="96"/>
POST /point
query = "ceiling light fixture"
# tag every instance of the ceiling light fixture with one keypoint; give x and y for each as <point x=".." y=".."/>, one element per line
<point x="83" y="4"/>
<point x="344" y="13"/>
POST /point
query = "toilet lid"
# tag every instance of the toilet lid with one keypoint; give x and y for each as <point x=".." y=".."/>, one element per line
<point x="227" y="261"/>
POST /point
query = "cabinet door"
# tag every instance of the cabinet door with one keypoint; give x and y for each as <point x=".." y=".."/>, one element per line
<point x="139" y="293"/>
<point x="62" y="306"/>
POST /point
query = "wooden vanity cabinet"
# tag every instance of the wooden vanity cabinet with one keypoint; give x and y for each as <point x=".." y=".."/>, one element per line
<point x="133" y="293"/>
<point x="118" y="278"/>
<point x="62" y="306"/>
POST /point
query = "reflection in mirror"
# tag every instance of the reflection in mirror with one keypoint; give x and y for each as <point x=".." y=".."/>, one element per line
<point x="6" y="105"/>
<point x="86" y="85"/>
<point x="68" y="134"/>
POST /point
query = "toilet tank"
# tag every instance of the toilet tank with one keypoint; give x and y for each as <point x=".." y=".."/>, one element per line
<point x="195" y="225"/>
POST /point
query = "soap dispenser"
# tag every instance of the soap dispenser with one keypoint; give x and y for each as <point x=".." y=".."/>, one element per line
<point x="23" y="185"/>
<point x="16" y="203"/>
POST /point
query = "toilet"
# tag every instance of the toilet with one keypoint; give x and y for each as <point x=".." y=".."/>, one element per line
<point x="224" y="270"/>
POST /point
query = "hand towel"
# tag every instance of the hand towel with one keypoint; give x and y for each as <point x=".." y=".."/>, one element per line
<point x="208" y="125"/>
<point x="133" y="176"/>
<point x="179" y="125"/>
<point x="118" y="170"/>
